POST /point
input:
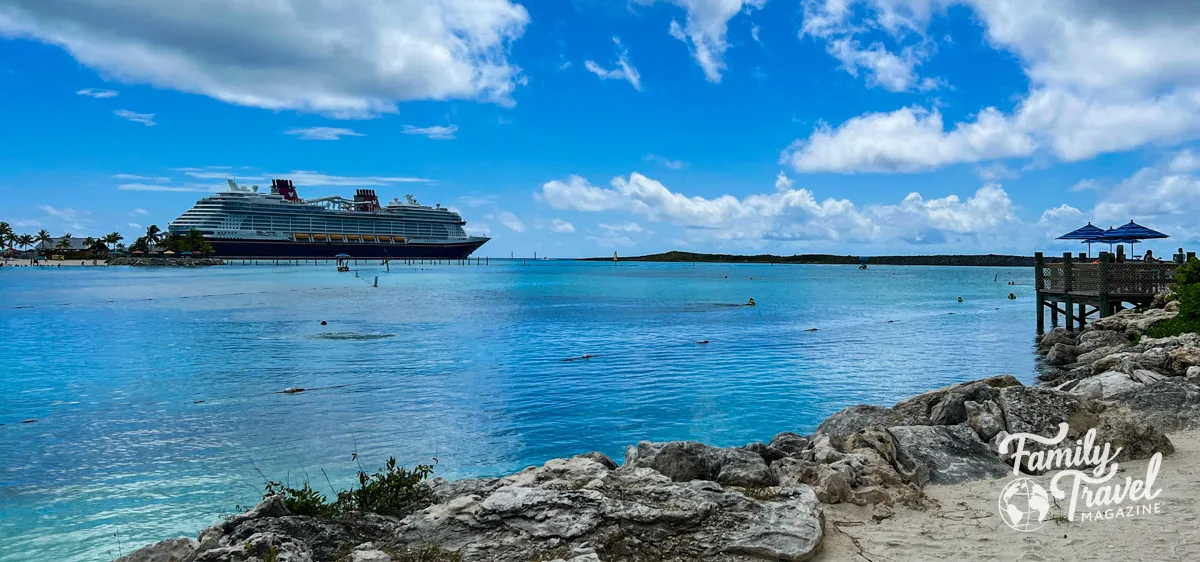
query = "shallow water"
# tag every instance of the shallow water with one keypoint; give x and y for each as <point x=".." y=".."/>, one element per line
<point x="158" y="392"/>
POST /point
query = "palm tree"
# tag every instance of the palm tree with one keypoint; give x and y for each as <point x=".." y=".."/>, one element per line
<point x="153" y="234"/>
<point x="24" y="241"/>
<point x="113" y="238"/>
<point x="64" y="243"/>
<point x="7" y="236"/>
<point x="43" y="237"/>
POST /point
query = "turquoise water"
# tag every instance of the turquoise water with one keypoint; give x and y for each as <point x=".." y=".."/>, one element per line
<point x="156" y="391"/>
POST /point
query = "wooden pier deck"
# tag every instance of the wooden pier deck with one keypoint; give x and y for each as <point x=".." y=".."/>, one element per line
<point x="1079" y="287"/>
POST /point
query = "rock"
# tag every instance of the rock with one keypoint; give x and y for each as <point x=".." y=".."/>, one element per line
<point x="768" y="453"/>
<point x="782" y="531"/>
<point x="1125" y="361"/>
<point x="919" y="410"/>
<point x="1180" y="359"/>
<point x="445" y="490"/>
<point x="1092" y="340"/>
<point x="367" y="552"/>
<point x="952" y="453"/>
<point x="258" y="546"/>
<point x="848" y="421"/>
<point x="270" y="506"/>
<point x="985" y="418"/>
<point x="170" y="550"/>
<point x="297" y="537"/>
<point x="1099" y="353"/>
<point x="632" y="513"/>
<point x="789" y="443"/>
<point x="1055" y="336"/>
<point x="1190" y="339"/>
<point x="1172" y="306"/>
<point x="1193" y="372"/>
<point x="951" y="409"/>
<point x="1104" y="385"/>
<point x="1061" y="354"/>
<point x="1133" y="321"/>
<point x="1169" y="405"/>
<point x="869" y="472"/>
<point x="682" y="461"/>
<point x="1161" y="299"/>
<point x="1147" y="377"/>
<point x="1040" y="410"/>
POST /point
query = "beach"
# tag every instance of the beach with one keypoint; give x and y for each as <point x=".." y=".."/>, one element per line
<point x="966" y="525"/>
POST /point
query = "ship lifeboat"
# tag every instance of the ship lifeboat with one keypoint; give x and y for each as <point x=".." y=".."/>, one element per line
<point x="352" y="237"/>
<point x="319" y="236"/>
<point x="300" y="236"/>
<point x="368" y="238"/>
<point x="336" y="237"/>
<point x="398" y="239"/>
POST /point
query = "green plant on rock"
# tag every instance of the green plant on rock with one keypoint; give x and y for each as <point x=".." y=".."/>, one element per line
<point x="1187" y="288"/>
<point x="301" y="501"/>
<point x="391" y="490"/>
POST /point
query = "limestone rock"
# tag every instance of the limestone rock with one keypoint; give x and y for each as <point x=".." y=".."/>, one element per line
<point x="1180" y="359"/>
<point x="1147" y="377"/>
<point x="1168" y="405"/>
<point x="170" y="550"/>
<point x="952" y="453"/>
<point x="1099" y="353"/>
<point x="1193" y="372"/>
<point x="1061" y="354"/>
<point x="789" y="443"/>
<point x="682" y="461"/>
<point x="1105" y="384"/>
<point x="848" y="421"/>
<point x="986" y="418"/>
<point x="1055" y="336"/>
<point x="1092" y="340"/>
<point x="920" y="409"/>
<point x="1172" y="306"/>
<point x="1133" y="321"/>
<point x="782" y="531"/>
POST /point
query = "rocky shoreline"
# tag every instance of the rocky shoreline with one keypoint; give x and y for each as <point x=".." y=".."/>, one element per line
<point x="761" y="501"/>
<point x="164" y="261"/>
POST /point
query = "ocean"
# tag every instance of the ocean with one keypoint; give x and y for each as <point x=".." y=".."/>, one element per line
<point x="157" y="392"/>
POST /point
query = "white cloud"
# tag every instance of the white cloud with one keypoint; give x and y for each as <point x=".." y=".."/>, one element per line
<point x="439" y="132"/>
<point x="666" y="162"/>
<point x="1105" y="76"/>
<point x="830" y="21"/>
<point x="1059" y="214"/>
<point x="322" y="133"/>
<point x="135" y="177"/>
<point x="135" y="225"/>
<point x="623" y="71"/>
<point x="909" y="139"/>
<point x="1185" y="161"/>
<point x="754" y="34"/>
<point x="995" y="171"/>
<point x="792" y="214"/>
<point x="1084" y="185"/>
<point x="167" y="188"/>
<point x="611" y="239"/>
<point x="704" y="30"/>
<point x="302" y="178"/>
<point x="68" y="216"/>
<point x="622" y="227"/>
<point x="139" y="212"/>
<point x="146" y="119"/>
<point x="509" y="220"/>
<point x="559" y="225"/>
<point x="346" y="59"/>
<point x="98" y="93"/>
<point x="478" y="229"/>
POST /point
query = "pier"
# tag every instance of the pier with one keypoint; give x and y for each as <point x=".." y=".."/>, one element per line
<point x="1079" y="287"/>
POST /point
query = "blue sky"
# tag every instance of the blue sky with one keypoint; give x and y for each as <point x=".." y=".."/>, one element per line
<point x="587" y="127"/>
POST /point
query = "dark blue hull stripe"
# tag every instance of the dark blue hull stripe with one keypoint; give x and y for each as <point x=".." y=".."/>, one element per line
<point x="267" y="249"/>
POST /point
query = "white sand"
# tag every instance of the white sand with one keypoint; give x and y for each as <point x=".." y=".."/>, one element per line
<point x="967" y="525"/>
<point x="53" y="263"/>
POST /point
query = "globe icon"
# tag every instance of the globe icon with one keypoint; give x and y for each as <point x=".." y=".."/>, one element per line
<point x="1024" y="505"/>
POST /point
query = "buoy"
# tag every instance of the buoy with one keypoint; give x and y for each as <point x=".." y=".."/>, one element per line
<point x="1012" y="296"/>
<point x="292" y="390"/>
<point x="751" y="302"/>
<point x="702" y="342"/>
<point x="811" y="330"/>
<point x="959" y="299"/>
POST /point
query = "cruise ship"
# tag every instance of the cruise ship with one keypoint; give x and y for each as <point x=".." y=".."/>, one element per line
<point x="246" y="223"/>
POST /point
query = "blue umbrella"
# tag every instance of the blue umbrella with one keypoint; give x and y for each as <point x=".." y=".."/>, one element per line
<point x="342" y="256"/>
<point x="1086" y="233"/>
<point x="1131" y="233"/>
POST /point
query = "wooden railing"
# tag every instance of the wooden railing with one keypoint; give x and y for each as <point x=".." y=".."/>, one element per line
<point x="1126" y="278"/>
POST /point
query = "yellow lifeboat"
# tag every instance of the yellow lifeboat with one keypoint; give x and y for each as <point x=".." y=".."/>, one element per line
<point x="319" y="236"/>
<point x="300" y="236"/>
<point x="352" y="237"/>
<point x="368" y="238"/>
<point x="337" y="237"/>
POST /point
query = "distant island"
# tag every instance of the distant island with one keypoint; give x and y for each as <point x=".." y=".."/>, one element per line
<point x="989" y="260"/>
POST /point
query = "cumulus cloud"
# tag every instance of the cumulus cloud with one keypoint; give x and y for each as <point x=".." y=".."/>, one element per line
<point x="1104" y="77"/>
<point x="910" y="139"/>
<point x="790" y="214"/>
<point x="190" y="188"/>
<point x="705" y="29"/>
<point x="146" y="119"/>
<point x="322" y="133"/>
<point x="97" y="93"/>
<point x="508" y="219"/>
<point x="831" y="21"/>
<point x="1084" y="185"/>
<point x="665" y="162"/>
<point x="346" y="59"/>
<point x="68" y="216"/>
<point x="622" y="227"/>
<point x="622" y="71"/>
<point x="438" y="132"/>
<point x="559" y="225"/>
